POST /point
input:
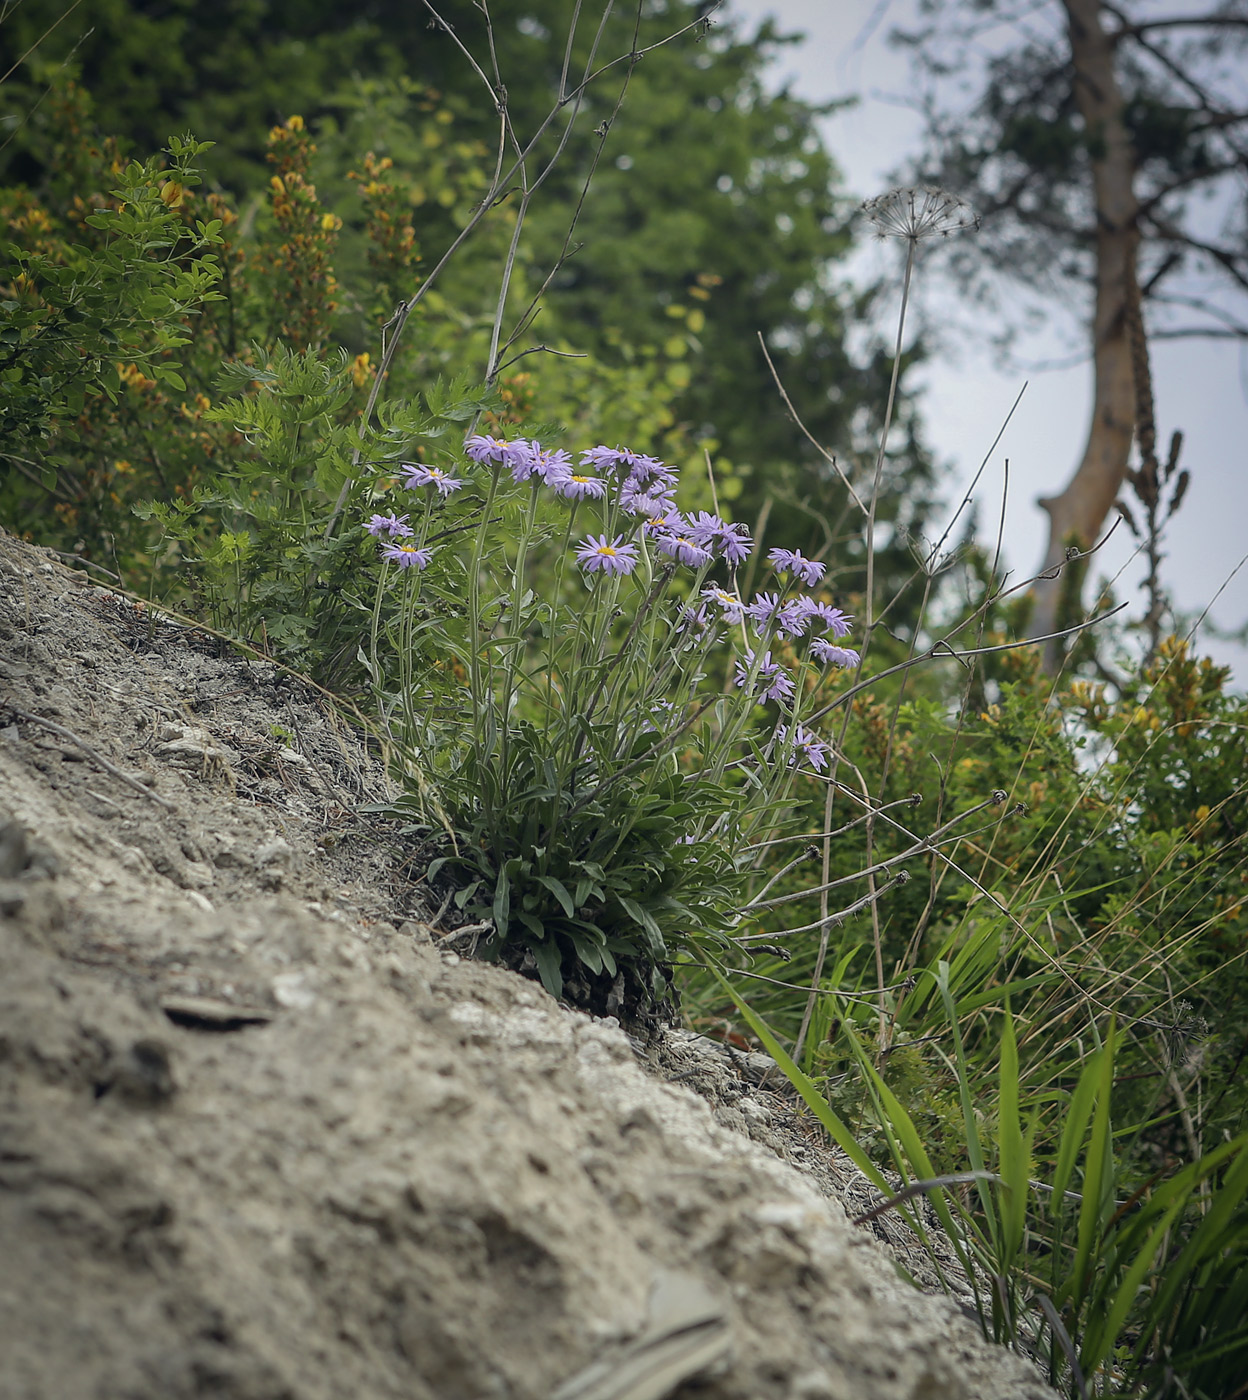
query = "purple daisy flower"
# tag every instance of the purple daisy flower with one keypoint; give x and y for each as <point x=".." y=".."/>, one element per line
<point x="737" y="549"/>
<point x="683" y="549"/>
<point x="488" y="449"/>
<point x="793" y="561"/>
<point x="648" y="473"/>
<point x="722" y="537"/>
<point x="806" y="746"/>
<point x="793" y="617"/>
<point x="609" y="459"/>
<point x="693" y="619"/>
<point x="521" y="457"/>
<point x="773" y="681"/>
<point x="406" y="555"/>
<point x="670" y="522"/>
<point x="575" y="487"/>
<point x="656" y="501"/>
<point x="552" y="465"/>
<point x="763" y="609"/>
<point x="833" y="619"/>
<point x="415" y="475"/>
<point x="608" y="557"/>
<point x="395" y="526"/>
<point x="731" y="608"/>
<point x="831" y="655"/>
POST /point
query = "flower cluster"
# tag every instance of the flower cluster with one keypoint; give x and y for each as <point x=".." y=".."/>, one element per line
<point x="636" y="485"/>
<point x="633" y="496"/>
<point x="791" y="618"/>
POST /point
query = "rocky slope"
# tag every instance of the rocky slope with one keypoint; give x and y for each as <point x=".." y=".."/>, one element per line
<point x="264" y="1136"/>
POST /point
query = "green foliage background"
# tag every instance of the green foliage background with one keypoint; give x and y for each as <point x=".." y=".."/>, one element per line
<point x="715" y="214"/>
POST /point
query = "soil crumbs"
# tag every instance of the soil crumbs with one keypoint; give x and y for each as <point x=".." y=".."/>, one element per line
<point x="265" y="1136"/>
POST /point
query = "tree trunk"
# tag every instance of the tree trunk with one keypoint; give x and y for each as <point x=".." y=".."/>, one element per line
<point x="1077" y="514"/>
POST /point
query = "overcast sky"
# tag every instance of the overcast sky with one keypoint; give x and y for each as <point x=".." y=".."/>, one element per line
<point x="1200" y="387"/>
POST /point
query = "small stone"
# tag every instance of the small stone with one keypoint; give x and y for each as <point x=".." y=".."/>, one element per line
<point x="291" y="990"/>
<point x="752" y="1109"/>
<point x="762" y="1069"/>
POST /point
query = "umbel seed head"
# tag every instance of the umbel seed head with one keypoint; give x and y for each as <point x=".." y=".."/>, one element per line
<point x="918" y="213"/>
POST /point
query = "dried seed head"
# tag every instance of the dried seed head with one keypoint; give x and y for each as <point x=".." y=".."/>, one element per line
<point x="915" y="214"/>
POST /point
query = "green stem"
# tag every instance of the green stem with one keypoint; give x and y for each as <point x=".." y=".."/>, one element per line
<point x="879" y="456"/>
<point x="481" y="695"/>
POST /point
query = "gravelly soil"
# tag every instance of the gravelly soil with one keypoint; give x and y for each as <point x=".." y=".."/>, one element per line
<point x="264" y="1137"/>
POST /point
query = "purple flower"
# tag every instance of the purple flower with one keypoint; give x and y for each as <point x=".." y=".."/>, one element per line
<point x="415" y="475"/>
<point x="833" y="619"/>
<point x="516" y="454"/>
<point x="831" y="655"/>
<point x="671" y="522"/>
<point x="488" y="449"/>
<point x="654" y="502"/>
<point x="683" y="549"/>
<point x="395" y="526"/>
<point x="731" y="608"/>
<point x="793" y="617"/>
<point x="793" y="561"/>
<point x="576" y="487"/>
<point x="406" y="555"/>
<point x="552" y="465"/>
<point x="731" y="540"/>
<point x="521" y="456"/>
<point x="806" y="746"/>
<point x="649" y="474"/>
<point x="609" y="459"/>
<point x="615" y="557"/>
<point x="763" y="609"/>
<point x="693" y="619"/>
<point x="773" y="682"/>
<point x="736" y="547"/>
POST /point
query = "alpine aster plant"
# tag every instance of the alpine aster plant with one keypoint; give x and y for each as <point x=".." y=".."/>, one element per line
<point x="585" y="733"/>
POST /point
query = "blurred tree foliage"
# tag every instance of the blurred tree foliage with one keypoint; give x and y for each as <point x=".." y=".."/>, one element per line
<point x="714" y="211"/>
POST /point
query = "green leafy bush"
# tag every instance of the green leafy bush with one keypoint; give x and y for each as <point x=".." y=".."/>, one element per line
<point x="79" y="319"/>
